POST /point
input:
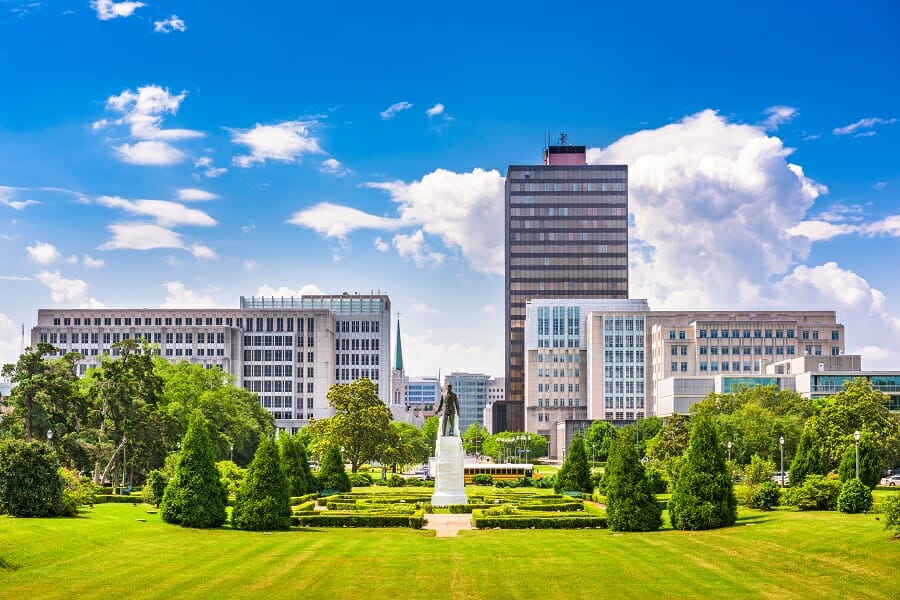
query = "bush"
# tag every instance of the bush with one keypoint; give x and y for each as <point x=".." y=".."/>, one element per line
<point x="232" y="476"/>
<point x="856" y="497"/>
<point x="361" y="519"/>
<point x="154" y="487"/>
<point x="630" y="502"/>
<point x="891" y="512"/>
<point x="482" y="479"/>
<point x="764" y="497"/>
<point x="360" y="479"/>
<point x="816" y="493"/>
<point x="295" y="464"/>
<point x="808" y="459"/>
<point x="77" y="491"/>
<point x="396" y="481"/>
<point x="195" y="497"/>
<point x="545" y="483"/>
<point x="657" y="479"/>
<point x="332" y="475"/>
<point x="263" y="502"/>
<point x="483" y="520"/>
<point x="758" y="471"/>
<point x="575" y="475"/>
<point x="30" y="483"/>
<point x="870" y="465"/>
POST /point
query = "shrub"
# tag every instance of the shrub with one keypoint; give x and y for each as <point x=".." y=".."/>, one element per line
<point x="195" y="497"/>
<point x="30" y="483"/>
<point x="154" y="487"/>
<point x="545" y="483"/>
<point x="891" y="513"/>
<point x="295" y="464"/>
<point x="360" y="479"/>
<point x="396" y="481"/>
<point x="493" y="518"/>
<point x="630" y="502"/>
<point x="657" y="479"/>
<point x="808" y="460"/>
<point x="870" y="465"/>
<point x="361" y="519"/>
<point x="482" y="479"/>
<point x="263" y="502"/>
<point x="575" y="475"/>
<point x="78" y="490"/>
<point x="816" y="493"/>
<point x="332" y="475"/>
<point x="704" y="495"/>
<point x="743" y="493"/>
<point x="764" y="497"/>
<point x="758" y="471"/>
<point x="856" y="497"/>
<point x="232" y="476"/>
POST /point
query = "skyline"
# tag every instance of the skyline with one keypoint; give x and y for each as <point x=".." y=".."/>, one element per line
<point x="162" y="155"/>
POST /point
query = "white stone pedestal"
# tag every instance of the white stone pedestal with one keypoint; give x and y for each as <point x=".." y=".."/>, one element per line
<point x="449" y="485"/>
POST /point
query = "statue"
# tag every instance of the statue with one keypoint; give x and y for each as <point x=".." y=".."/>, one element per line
<point x="448" y="408"/>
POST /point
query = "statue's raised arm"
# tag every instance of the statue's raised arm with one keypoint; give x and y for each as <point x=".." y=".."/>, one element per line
<point x="448" y="409"/>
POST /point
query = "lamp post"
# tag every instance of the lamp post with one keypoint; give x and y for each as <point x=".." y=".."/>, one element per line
<point x="232" y="453"/>
<point x="856" y="438"/>
<point x="781" y="443"/>
<point x="729" y="451"/>
<point x="50" y="438"/>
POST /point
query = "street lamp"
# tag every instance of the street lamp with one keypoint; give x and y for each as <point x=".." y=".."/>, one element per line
<point x="856" y="437"/>
<point x="50" y="441"/>
<point x="232" y="453"/>
<point x="781" y="443"/>
<point x="729" y="451"/>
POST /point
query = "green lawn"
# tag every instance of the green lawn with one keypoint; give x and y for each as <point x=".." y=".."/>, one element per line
<point x="107" y="552"/>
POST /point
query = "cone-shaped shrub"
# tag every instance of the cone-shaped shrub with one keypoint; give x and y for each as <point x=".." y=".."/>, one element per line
<point x="575" y="474"/>
<point x="195" y="497"/>
<point x="870" y="465"/>
<point x="263" y="503"/>
<point x="704" y="495"/>
<point x="630" y="502"/>
<point x="332" y="475"/>
<point x="295" y="465"/>
<point x="808" y="459"/>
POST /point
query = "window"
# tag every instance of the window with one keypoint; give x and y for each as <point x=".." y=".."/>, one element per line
<point x="834" y="335"/>
<point x="681" y="334"/>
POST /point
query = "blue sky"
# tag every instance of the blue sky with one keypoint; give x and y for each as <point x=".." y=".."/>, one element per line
<point x="187" y="153"/>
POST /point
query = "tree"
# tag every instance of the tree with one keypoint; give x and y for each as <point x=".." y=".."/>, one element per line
<point x="575" y="475"/>
<point x="855" y="497"/>
<point x="808" y="458"/>
<point x="598" y="439"/>
<point x="870" y="465"/>
<point x="155" y="487"/>
<point x="473" y="438"/>
<point x="671" y="440"/>
<point x="295" y="464"/>
<point x="630" y="502"/>
<point x="758" y="471"/>
<point x="195" y="497"/>
<point x="263" y="502"/>
<point x="332" y="475"/>
<point x="430" y="433"/>
<point x="704" y="495"/>
<point x="403" y="445"/>
<point x="30" y="483"/>
<point x="361" y="422"/>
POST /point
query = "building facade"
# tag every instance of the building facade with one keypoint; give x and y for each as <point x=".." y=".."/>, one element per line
<point x="472" y="391"/>
<point x="566" y="237"/>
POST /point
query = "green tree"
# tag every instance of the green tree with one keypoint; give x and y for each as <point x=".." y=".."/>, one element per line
<point x="870" y="465"/>
<point x="759" y="470"/>
<point x="295" y="464"/>
<point x="361" y="422"/>
<point x="598" y="439"/>
<point x="30" y="483"/>
<point x="630" y="502"/>
<point x="704" y="495"/>
<point x="430" y="433"/>
<point x="575" y="474"/>
<point x="263" y="502"/>
<point x="154" y="487"/>
<point x="332" y="475"/>
<point x="808" y="458"/>
<point x="403" y="445"/>
<point x="231" y="475"/>
<point x="671" y="440"/>
<point x="647" y="428"/>
<point x="473" y="438"/>
<point x="195" y="497"/>
<point x="855" y="497"/>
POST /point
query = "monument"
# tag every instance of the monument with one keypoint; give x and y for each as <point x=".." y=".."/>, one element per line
<point x="449" y="456"/>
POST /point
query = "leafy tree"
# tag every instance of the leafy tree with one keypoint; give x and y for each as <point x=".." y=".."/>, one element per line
<point x="155" y="487"/>
<point x="332" y="475"/>
<point x="30" y="483"/>
<point x="598" y="439"/>
<point x="402" y="445"/>
<point x="430" y="433"/>
<point x="758" y="471"/>
<point x="630" y="502"/>
<point x="856" y="497"/>
<point x="671" y="440"/>
<point x="647" y="428"/>
<point x="195" y="497"/>
<point x="361" y="422"/>
<point x="263" y="502"/>
<point x="473" y="438"/>
<point x="704" y="495"/>
<point x="890" y="510"/>
<point x="870" y="465"/>
<point x="575" y="474"/>
<point x="808" y="459"/>
<point x="295" y="464"/>
<point x="231" y="476"/>
<point x="78" y="490"/>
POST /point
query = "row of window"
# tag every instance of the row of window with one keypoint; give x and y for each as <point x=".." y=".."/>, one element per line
<point x="569" y="236"/>
<point x="353" y="374"/>
<point x="558" y="387"/>
<point x="623" y="323"/>
<point x="624" y="387"/>
<point x="623" y="416"/>
<point x="577" y="186"/>
<point x="747" y="350"/>
<point x="630" y="341"/>
<point x="569" y="211"/>
<point x="559" y="373"/>
<point x="356" y="359"/>
<point x="623" y="402"/>
<point x="623" y="371"/>
<point x="267" y="385"/>
<point x="626" y="356"/>
<point x="276" y="371"/>
<point x="558" y="358"/>
<point x="557" y="402"/>
<point x="364" y="344"/>
<point x="805" y="334"/>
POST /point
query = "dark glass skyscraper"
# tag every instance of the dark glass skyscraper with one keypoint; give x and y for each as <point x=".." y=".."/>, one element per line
<point x="566" y="237"/>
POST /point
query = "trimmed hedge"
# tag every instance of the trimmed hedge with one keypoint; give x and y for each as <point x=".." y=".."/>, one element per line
<point x="303" y="498"/>
<point x="360" y="519"/>
<point x="309" y="506"/>
<point x="537" y="521"/>
<point x="116" y="499"/>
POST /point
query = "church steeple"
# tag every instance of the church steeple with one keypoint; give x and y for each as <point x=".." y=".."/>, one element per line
<point x="398" y="354"/>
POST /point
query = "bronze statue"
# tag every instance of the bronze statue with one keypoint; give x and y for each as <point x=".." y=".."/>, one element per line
<point x="448" y="408"/>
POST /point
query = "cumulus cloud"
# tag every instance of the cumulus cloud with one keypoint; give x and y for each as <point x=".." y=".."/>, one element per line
<point x="818" y="231"/>
<point x="332" y="166"/>
<point x="414" y="247"/>
<point x="10" y="340"/>
<point x="435" y="111"/>
<point x="421" y="308"/>
<point x="107" y="9"/>
<point x="43" y="253"/>
<point x="309" y="289"/>
<point x="93" y="263"/>
<point x="391" y="111"/>
<point x="62" y="289"/>
<point x="335" y="221"/>
<point x="286" y="142"/>
<point x="424" y="353"/>
<point x="141" y="236"/>
<point x="863" y="127"/>
<point x="205" y="163"/>
<point x="778" y="115"/>
<point x="166" y="213"/>
<point x="151" y="154"/>
<point x="202" y="252"/>
<point x="381" y="245"/>
<point x="169" y="25"/>
<point x="178" y="296"/>
<point x="195" y="195"/>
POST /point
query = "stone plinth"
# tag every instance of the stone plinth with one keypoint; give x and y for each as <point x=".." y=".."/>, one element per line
<point x="449" y="485"/>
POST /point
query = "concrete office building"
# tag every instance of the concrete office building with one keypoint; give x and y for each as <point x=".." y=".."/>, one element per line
<point x="472" y="391"/>
<point x="289" y="351"/>
<point x="566" y="237"/>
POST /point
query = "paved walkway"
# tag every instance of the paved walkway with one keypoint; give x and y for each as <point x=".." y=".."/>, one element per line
<point x="448" y="525"/>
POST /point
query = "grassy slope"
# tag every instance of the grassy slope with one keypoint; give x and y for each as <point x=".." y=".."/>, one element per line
<point x="781" y="554"/>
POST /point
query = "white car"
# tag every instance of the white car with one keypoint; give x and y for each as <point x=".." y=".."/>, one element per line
<point x="777" y="477"/>
<point x="893" y="480"/>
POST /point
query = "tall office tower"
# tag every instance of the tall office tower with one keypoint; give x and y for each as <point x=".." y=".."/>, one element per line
<point x="471" y="389"/>
<point x="566" y="237"/>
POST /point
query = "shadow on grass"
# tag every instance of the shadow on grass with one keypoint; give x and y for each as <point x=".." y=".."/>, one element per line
<point x="7" y="566"/>
<point x="747" y="519"/>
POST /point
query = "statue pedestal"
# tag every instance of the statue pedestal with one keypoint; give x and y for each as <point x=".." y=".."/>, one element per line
<point x="449" y="485"/>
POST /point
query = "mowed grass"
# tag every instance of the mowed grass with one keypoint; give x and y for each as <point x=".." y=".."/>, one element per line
<point x="108" y="552"/>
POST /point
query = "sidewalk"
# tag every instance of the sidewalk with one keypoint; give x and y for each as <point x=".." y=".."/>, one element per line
<point x="448" y="525"/>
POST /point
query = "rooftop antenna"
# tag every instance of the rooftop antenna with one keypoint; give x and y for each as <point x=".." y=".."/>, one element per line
<point x="563" y="139"/>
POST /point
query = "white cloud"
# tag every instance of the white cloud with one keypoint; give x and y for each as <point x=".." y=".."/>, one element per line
<point x="332" y="166"/>
<point x="435" y="111"/>
<point x="309" y="289"/>
<point x="381" y="245"/>
<point x="209" y="170"/>
<point x="169" y="25"/>
<point x="178" y="296"/>
<point x="332" y="220"/>
<point x="778" y="115"/>
<point x="490" y="309"/>
<point x="391" y="111"/>
<point x="818" y="231"/>
<point x="150" y="153"/>
<point x="107" y="9"/>
<point x="250" y="264"/>
<point x="286" y="142"/>
<point x="421" y="308"/>
<point x="43" y="253"/>
<point x="6" y="197"/>
<point x="414" y="246"/>
<point x="888" y="226"/>
<point x="864" y="124"/>
<point x="10" y="340"/>
<point x="195" y="195"/>
<point x="811" y="136"/>
<point x="93" y="263"/>
<point x="72" y="260"/>
<point x="166" y="213"/>
<point x="141" y="236"/>
<point x="62" y="289"/>
<point x="203" y="252"/>
<point x="423" y="354"/>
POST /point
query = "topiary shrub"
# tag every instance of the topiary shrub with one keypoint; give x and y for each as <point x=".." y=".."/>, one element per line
<point x="332" y="475"/>
<point x="396" y="481"/>
<point x="870" y="464"/>
<point x="630" y="502"/>
<point x="30" y="483"/>
<point x="575" y="474"/>
<point x="295" y="463"/>
<point x="154" y="487"/>
<point x="263" y="502"/>
<point x="482" y="479"/>
<point x="765" y="497"/>
<point x="816" y="493"/>
<point x="856" y="497"/>
<point x="808" y="459"/>
<point x="890" y="512"/>
<point x="195" y="497"/>
<point x="360" y="479"/>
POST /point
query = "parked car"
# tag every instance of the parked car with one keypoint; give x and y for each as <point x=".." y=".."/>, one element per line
<point x="777" y="477"/>
<point x="893" y="480"/>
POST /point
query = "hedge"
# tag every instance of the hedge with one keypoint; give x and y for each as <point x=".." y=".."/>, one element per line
<point x="360" y="519"/>
<point x="537" y="522"/>
<point x="305" y="506"/>
<point x="304" y="498"/>
<point x="561" y="507"/>
<point x="116" y="499"/>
